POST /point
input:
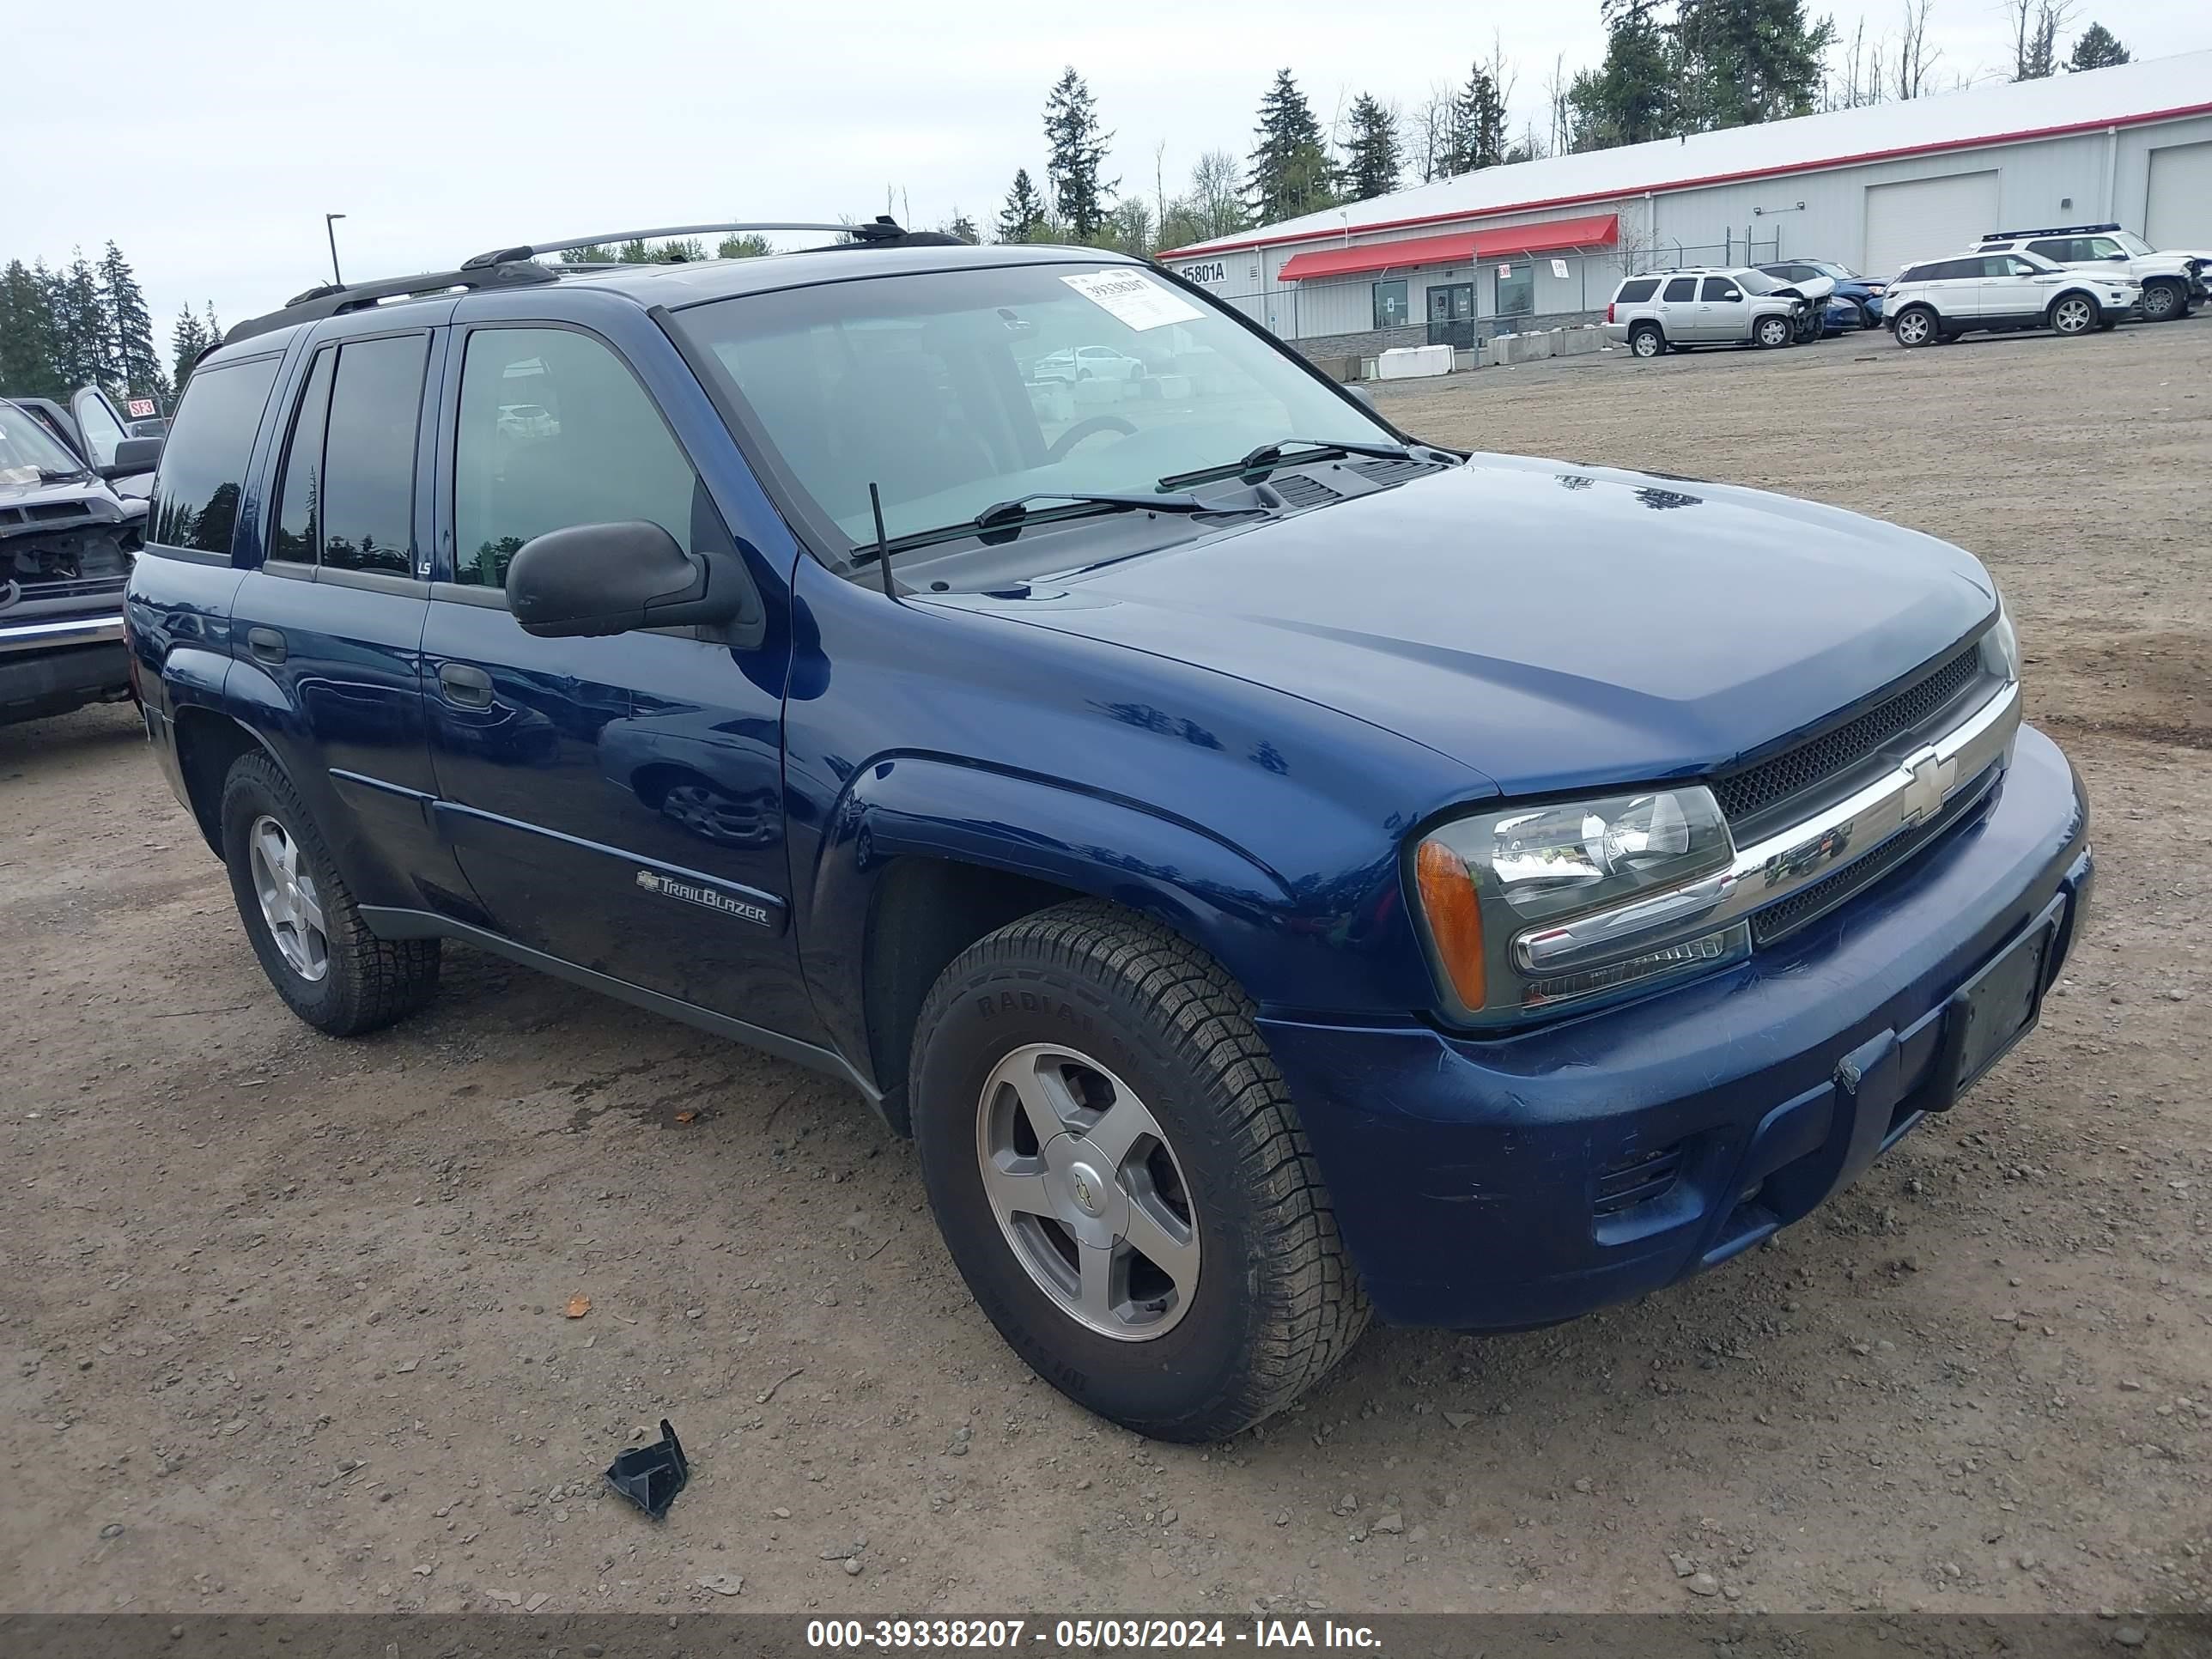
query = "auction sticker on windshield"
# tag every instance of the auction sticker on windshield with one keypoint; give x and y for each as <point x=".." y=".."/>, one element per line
<point x="1134" y="298"/>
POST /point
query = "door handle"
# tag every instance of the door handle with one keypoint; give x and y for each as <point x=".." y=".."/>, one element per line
<point x="464" y="686"/>
<point x="266" y="644"/>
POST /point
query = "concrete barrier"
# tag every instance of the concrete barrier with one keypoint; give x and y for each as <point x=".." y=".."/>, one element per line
<point x="1574" y="342"/>
<point x="1466" y="359"/>
<point x="1535" y="347"/>
<point x="1413" y="363"/>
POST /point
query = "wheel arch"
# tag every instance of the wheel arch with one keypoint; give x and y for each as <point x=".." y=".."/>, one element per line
<point x="208" y="743"/>
<point x="924" y="855"/>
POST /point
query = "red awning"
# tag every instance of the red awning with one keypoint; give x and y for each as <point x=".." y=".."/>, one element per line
<point x="1463" y="247"/>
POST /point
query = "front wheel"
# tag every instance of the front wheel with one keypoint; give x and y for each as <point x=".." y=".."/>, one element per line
<point x="1121" y="1178"/>
<point x="1771" y="331"/>
<point x="2164" y="302"/>
<point x="2073" y="314"/>
<point x="1916" y="327"/>
<point x="301" y="918"/>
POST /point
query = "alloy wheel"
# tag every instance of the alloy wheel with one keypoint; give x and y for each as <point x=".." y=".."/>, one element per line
<point x="1088" y="1192"/>
<point x="1913" y="328"/>
<point x="2159" y="302"/>
<point x="2073" y="315"/>
<point x="290" y="904"/>
<point x="1646" y="345"/>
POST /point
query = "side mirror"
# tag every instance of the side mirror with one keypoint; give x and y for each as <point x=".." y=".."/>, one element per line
<point x="591" y="579"/>
<point x="1361" y="395"/>
<point x="133" y="455"/>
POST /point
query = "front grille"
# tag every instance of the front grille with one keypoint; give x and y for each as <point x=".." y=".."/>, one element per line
<point x="1797" y="771"/>
<point x="1638" y="1178"/>
<point x="1808" y="904"/>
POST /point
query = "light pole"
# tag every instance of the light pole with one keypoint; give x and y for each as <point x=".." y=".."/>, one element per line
<point x="330" y="229"/>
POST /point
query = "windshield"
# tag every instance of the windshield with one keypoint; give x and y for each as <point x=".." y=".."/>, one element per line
<point x="1758" y="282"/>
<point x="2136" y="245"/>
<point x="952" y="390"/>
<point x="27" y="450"/>
<point x="1841" y="273"/>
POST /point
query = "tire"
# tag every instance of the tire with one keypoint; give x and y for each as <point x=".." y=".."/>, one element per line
<point x="1916" y="325"/>
<point x="1768" y="333"/>
<point x="1254" y="1299"/>
<point x="1645" y="340"/>
<point x="2072" y="315"/>
<point x="2165" y="302"/>
<point x="337" y="976"/>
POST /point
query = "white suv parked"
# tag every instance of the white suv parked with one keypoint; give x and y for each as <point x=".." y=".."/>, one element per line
<point x="2171" y="282"/>
<point x="1942" y="298"/>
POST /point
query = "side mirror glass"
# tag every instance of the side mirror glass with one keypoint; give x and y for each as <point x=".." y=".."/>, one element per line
<point x="591" y="579"/>
<point x="133" y="455"/>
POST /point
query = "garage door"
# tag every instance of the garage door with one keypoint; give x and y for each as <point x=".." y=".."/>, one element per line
<point x="2180" y="214"/>
<point x="1926" y="219"/>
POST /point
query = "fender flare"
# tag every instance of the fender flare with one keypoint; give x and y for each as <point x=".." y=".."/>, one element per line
<point x="1046" y="829"/>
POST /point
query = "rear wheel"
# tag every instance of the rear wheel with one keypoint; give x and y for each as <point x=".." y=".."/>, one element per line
<point x="1121" y="1178"/>
<point x="1771" y="331"/>
<point x="2072" y="315"/>
<point x="1915" y="326"/>
<point x="301" y="918"/>
<point x="1646" y="341"/>
<point x="2164" y="302"/>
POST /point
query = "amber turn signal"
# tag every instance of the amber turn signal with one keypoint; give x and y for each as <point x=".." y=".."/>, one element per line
<point x="1454" y="914"/>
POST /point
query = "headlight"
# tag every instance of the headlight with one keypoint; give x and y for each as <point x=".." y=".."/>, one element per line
<point x="1502" y="893"/>
<point x="2000" y="645"/>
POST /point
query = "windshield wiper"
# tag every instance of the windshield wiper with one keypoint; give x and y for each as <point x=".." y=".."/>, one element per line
<point x="48" y="475"/>
<point x="1305" y="449"/>
<point x="1002" y="515"/>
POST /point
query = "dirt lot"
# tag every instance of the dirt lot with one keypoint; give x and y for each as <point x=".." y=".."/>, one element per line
<point x="283" y="1317"/>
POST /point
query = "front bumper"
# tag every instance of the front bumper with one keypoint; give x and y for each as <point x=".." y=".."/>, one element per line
<point x="1474" y="1181"/>
<point x="50" y="667"/>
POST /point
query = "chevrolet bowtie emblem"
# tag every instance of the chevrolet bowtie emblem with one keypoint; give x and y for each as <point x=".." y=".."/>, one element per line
<point x="1932" y="778"/>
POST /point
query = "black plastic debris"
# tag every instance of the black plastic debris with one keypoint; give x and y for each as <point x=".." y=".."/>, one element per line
<point x="651" y="1476"/>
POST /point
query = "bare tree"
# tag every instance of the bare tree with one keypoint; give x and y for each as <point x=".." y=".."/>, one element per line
<point x="2035" y="26"/>
<point x="1858" y="81"/>
<point x="1555" y="100"/>
<point x="1915" y="63"/>
<point x="1431" y="128"/>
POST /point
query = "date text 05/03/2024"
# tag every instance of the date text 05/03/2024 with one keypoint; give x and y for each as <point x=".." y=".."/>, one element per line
<point x="1086" y="1635"/>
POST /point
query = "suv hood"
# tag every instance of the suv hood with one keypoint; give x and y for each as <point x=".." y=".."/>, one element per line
<point x="1551" y="625"/>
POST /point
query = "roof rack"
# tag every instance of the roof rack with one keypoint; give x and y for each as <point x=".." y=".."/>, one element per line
<point x="517" y="267"/>
<point x="332" y="298"/>
<point x="2052" y="230"/>
<point x="876" y="230"/>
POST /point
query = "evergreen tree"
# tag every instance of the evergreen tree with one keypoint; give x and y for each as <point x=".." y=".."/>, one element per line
<point x="1023" y="213"/>
<point x="1076" y="150"/>
<point x="2098" y="48"/>
<point x="27" y="368"/>
<point x="137" y="365"/>
<point x="1743" y="62"/>
<point x="83" y="336"/>
<point x="964" y="228"/>
<point x="1630" y="98"/>
<point x="188" y="337"/>
<point x="1371" y="155"/>
<point x="1291" y="172"/>
<point x="1477" y="138"/>
<point x="211" y="323"/>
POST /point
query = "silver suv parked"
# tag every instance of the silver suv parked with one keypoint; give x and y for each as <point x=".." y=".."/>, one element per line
<point x="1680" y="309"/>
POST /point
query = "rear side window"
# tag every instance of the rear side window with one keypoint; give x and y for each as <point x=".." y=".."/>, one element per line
<point x="555" y="431"/>
<point x="1637" y="292"/>
<point x="347" y="500"/>
<point x="367" y="507"/>
<point x="1681" y="290"/>
<point x="204" y="464"/>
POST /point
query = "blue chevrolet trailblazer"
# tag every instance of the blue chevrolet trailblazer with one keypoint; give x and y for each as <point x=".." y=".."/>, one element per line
<point x="1274" y="868"/>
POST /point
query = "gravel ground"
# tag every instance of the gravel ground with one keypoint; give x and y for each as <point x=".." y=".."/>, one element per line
<point x="285" y="1320"/>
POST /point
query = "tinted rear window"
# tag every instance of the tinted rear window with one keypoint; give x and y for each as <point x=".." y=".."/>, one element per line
<point x="368" y="501"/>
<point x="204" y="464"/>
<point x="1682" y="289"/>
<point x="1636" y="293"/>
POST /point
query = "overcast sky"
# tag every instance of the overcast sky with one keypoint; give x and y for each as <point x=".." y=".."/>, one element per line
<point x="209" y="140"/>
